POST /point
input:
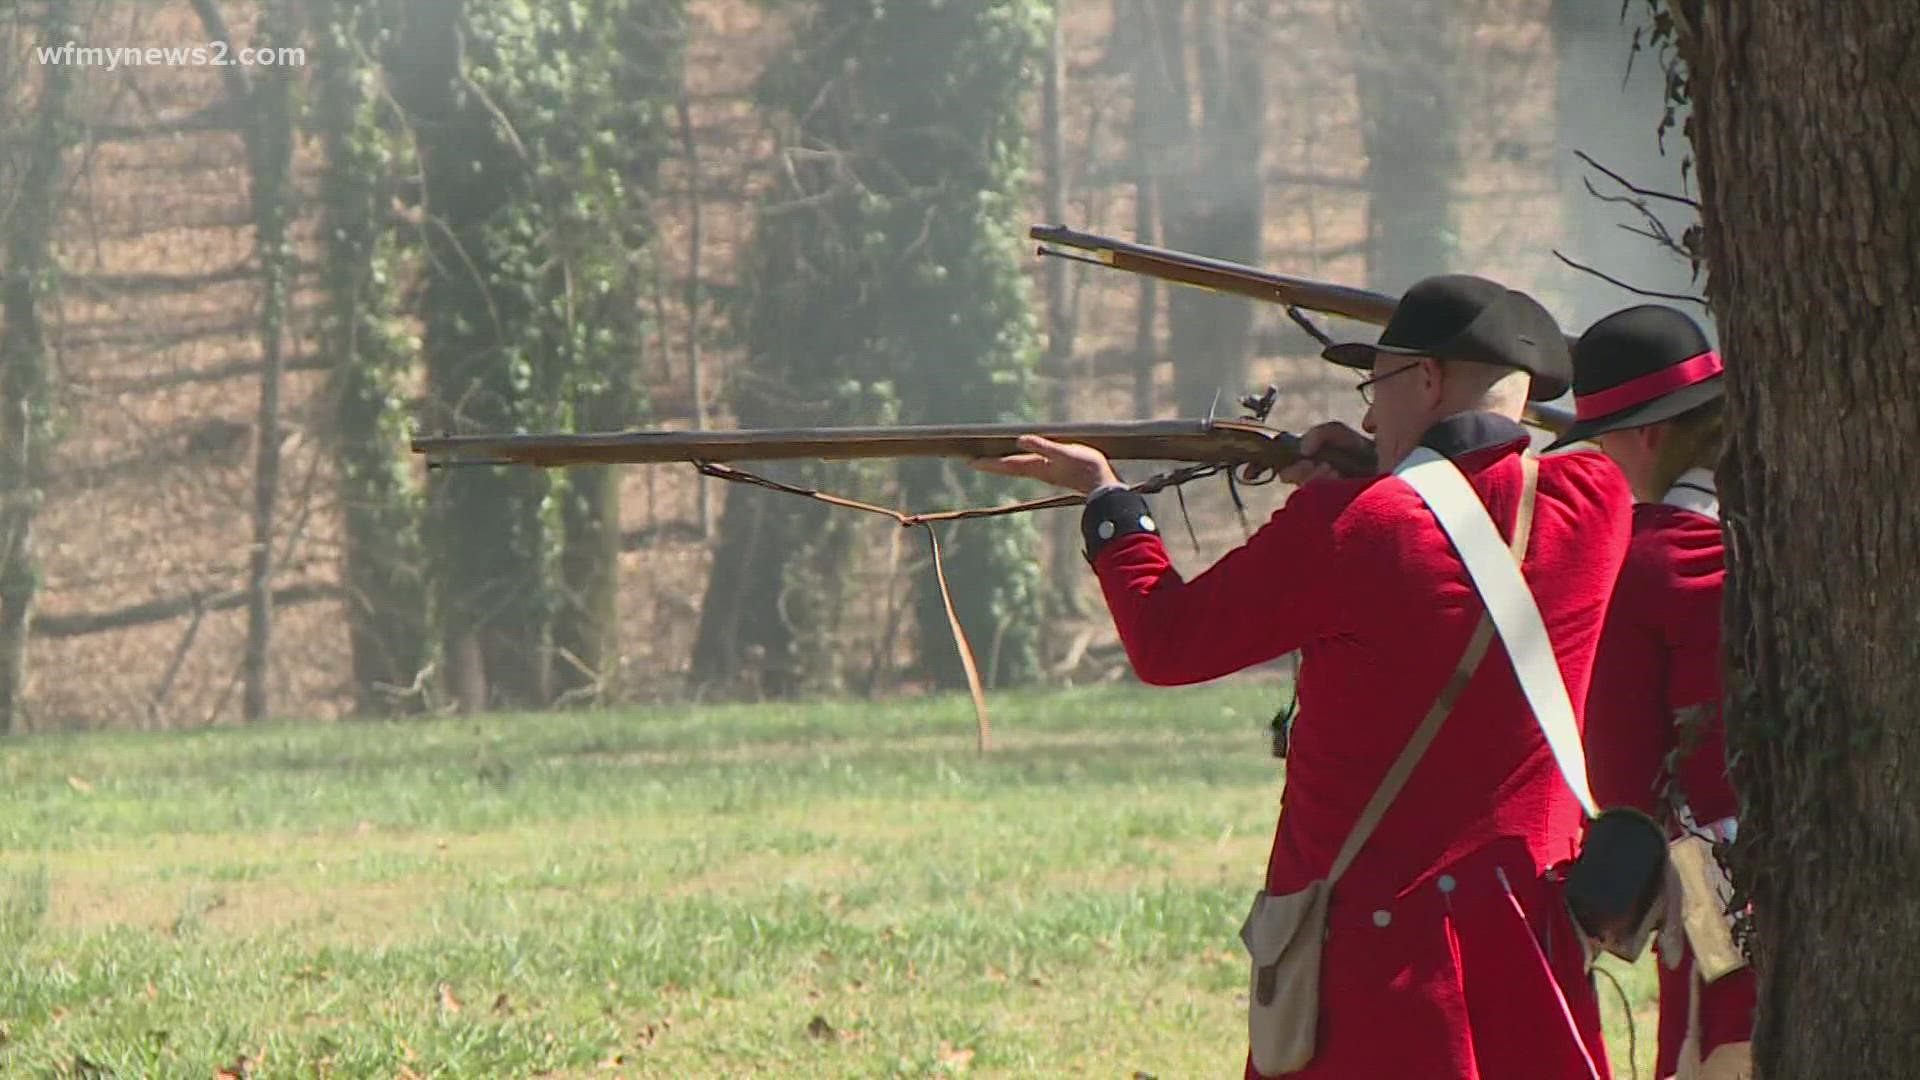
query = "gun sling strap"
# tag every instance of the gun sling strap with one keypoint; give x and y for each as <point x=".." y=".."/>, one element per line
<point x="1173" y="478"/>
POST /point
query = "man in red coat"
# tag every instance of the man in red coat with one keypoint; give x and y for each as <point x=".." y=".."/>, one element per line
<point x="1447" y="955"/>
<point x="1648" y="390"/>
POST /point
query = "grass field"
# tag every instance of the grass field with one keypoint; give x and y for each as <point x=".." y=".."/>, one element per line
<point x="831" y="889"/>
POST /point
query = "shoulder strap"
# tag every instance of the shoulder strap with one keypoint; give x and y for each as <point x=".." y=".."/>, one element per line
<point x="1416" y="748"/>
<point x="1511" y="604"/>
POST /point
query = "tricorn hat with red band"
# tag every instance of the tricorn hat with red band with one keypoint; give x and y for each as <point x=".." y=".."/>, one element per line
<point x="1637" y="367"/>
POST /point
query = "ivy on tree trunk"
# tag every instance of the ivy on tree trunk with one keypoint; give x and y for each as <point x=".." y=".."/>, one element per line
<point x="26" y="397"/>
<point x="489" y="529"/>
<point x="388" y="621"/>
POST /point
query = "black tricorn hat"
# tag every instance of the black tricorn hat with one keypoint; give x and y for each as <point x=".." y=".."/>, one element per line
<point x="1462" y="317"/>
<point x="1640" y="366"/>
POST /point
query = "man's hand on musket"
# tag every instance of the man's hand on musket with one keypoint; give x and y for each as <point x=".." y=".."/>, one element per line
<point x="1332" y="435"/>
<point x="1068" y="465"/>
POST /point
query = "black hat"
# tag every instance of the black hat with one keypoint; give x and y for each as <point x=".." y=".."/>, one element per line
<point x="1462" y="317"/>
<point x="1637" y="367"/>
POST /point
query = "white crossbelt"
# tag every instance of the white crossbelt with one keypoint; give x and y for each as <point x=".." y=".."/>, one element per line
<point x="1695" y="491"/>
<point x="1515" y="614"/>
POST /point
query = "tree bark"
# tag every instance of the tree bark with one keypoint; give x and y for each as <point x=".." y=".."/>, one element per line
<point x="388" y="621"/>
<point x="1146" y="84"/>
<point x="25" y="379"/>
<point x="1212" y="203"/>
<point x="265" y="104"/>
<point x="489" y="539"/>
<point x="1063" y="595"/>
<point x="1808" y="146"/>
<point x="1406" y="60"/>
<point x="696" y="377"/>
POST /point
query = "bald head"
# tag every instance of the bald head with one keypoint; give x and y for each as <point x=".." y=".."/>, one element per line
<point x="1495" y="388"/>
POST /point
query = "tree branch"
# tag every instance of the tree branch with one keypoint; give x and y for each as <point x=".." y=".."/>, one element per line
<point x="1630" y="288"/>
<point x="157" y="611"/>
<point x="1622" y="181"/>
<point x="235" y="76"/>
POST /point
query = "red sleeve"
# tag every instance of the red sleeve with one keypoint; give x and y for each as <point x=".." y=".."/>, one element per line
<point x="1261" y="600"/>
<point x="1693" y="577"/>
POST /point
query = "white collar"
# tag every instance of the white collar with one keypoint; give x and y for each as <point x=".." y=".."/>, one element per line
<point x="1695" y="491"/>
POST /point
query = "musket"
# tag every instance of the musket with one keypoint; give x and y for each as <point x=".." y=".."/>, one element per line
<point x="1237" y="279"/>
<point x="1244" y="448"/>
<point x="1246" y="445"/>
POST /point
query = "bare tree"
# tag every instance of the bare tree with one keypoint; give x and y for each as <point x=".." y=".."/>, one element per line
<point x="264" y="103"/>
<point x="1406" y="58"/>
<point x="27" y="217"/>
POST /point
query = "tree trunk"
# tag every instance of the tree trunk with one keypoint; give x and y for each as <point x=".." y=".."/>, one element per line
<point x="264" y="101"/>
<point x="696" y="376"/>
<point x="25" y="393"/>
<point x="1145" y="31"/>
<point x="1213" y="201"/>
<point x="1808" y="146"/>
<point x="586" y="631"/>
<point x="1063" y="595"/>
<point x="388" y="625"/>
<point x="1406" y="59"/>
<point x="489" y="537"/>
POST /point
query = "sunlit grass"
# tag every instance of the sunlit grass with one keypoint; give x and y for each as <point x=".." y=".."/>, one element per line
<point x="821" y="889"/>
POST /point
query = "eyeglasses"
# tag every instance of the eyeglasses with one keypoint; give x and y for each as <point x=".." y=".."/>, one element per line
<point x="1366" y="386"/>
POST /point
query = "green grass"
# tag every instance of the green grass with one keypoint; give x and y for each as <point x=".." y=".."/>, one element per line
<point x="823" y="889"/>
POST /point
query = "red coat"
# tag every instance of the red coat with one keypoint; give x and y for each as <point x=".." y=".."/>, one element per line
<point x="1358" y="575"/>
<point x="1660" y="654"/>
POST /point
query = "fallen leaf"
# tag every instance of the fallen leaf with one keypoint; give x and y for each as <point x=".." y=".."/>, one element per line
<point x="957" y="1060"/>
<point x="241" y="1069"/>
<point x="79" y="785"/>
<point x="819" y="1028"/>
<point x="447" y="1000"/>
<point x="153" y="992"/>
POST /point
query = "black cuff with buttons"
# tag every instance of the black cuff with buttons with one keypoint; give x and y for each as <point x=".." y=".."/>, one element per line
<point x="1110" y="514"/>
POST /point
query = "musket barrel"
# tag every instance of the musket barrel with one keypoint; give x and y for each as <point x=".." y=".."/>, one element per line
<point x="1220" y="275"/>
<point x="1223" y="441"/>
